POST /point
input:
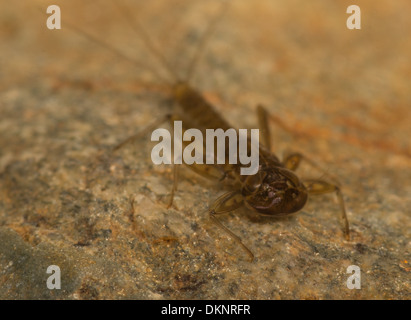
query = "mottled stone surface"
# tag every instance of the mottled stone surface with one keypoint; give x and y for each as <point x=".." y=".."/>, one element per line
<point x="66" y="200"/>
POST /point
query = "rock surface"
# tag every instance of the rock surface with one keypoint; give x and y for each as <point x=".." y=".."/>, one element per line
<point x="67" y="200"/>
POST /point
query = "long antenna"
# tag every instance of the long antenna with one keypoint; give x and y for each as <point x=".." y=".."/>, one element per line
<point x="204" y="40"/>
<point x="113" y="49"/>
<point x="144" y="36"/>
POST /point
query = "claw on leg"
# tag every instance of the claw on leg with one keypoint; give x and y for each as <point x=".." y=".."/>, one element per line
<point x="224" y="204"/>
<point x="316" y="187"/>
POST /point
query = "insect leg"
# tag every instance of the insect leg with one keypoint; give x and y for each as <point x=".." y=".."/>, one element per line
<point x="175" y="183"/>
<point x="143" y="132"/>
<point x="224" y="204"/>
<point x="316" y="187"/>
<point x="293" y="160"/>
<point x="262" y="115"/>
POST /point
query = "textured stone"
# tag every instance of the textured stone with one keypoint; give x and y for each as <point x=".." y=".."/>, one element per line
<point x="66" y="200"/>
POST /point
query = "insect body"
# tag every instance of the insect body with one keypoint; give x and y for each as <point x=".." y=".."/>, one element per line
<point x="275" y="190"/>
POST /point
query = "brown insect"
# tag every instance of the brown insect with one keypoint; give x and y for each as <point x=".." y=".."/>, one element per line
<point x="275" y="190"/>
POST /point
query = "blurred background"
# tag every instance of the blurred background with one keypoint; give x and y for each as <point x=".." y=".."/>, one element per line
<point x="342" y="95"/>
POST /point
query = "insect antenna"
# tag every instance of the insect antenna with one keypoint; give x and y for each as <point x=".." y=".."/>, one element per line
<point x="212" y="25"/>
<point x="114" y="50"/>
<point x="138" y="27"/>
